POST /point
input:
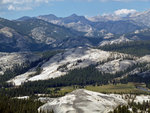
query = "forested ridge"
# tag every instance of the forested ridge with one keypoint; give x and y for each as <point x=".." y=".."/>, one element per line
<point x="137" y="48"/>
<point x="12" y="105"/>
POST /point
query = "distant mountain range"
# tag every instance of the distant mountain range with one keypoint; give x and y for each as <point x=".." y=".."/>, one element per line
<point x="52" y="32"/>
<point x="80" y="23"/>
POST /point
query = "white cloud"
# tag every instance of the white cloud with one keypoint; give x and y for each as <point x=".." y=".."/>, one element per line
<point x="16" y="1"/>
<point x="26" y="1"/>
<point x="17" y="5"/>
<point x="124" y="11"/>
<point x="17" y="8"/>
<point x="11" y="7"/>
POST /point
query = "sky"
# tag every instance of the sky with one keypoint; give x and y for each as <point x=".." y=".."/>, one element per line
<point x="13" y="9"/>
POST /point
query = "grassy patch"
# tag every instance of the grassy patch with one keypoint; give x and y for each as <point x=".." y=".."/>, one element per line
<point x="61" y="91"/>
<point x="110" y="88"/>
<point x="118" y="88"/>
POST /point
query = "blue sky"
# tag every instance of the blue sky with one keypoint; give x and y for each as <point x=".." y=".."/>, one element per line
<point x="12" y="9"/>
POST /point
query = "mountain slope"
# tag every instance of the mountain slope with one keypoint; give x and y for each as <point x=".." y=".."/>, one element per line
<point x="35" y="35"/>
<point x="143" y="34"/>
<point x="24" y="18"/>
<point x="10" y="40"/>
<point x="117" y="27"/>
<point x="80" y="58"/>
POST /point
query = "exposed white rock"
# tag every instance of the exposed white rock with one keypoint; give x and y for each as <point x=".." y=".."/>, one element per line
<point x="90" y="33"/>
<point x="108" y="36"/>
<point x="104" y="18"/>
<point x="145" y="58"/>
<point x="18" y="80"/>
<point x="62" y="63"/>
<point x="142" y="98"/>
<point x="122" y="39"/>
<point x="8" y="60"/>
<point x="83" y="101"/>
<point x="137" y="31"/>
<point x="141" y="17"/>
<point x="23" y="97"/>
<point x="79" y="26"/>
<point x="7" y="32"/>
<point x="39" y="34"/>
<point x="71" y="59"/>
<point x="102" y="33"/>
<point x="116" y="66"/>
<point x="45" y="99"/>
<point x="142" y="31"/>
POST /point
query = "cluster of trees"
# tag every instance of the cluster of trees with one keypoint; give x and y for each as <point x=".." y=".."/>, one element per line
<point x="143" y="107"/>
<point x="133" y="107"/>
<point x="17" y="69"/>
<point x="141" y="77"/>
<point x="137" y="78"/>
<point x="12" y="105"/>
<point x="121" y="109"/>
<point x="137" y="48"/>
<point x="148" y="85"/>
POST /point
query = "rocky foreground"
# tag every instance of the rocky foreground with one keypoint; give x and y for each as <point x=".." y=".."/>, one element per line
<point x="83" y="101"/>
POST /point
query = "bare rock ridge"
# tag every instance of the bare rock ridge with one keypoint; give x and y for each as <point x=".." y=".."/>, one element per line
<point x="122" y="39"/>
